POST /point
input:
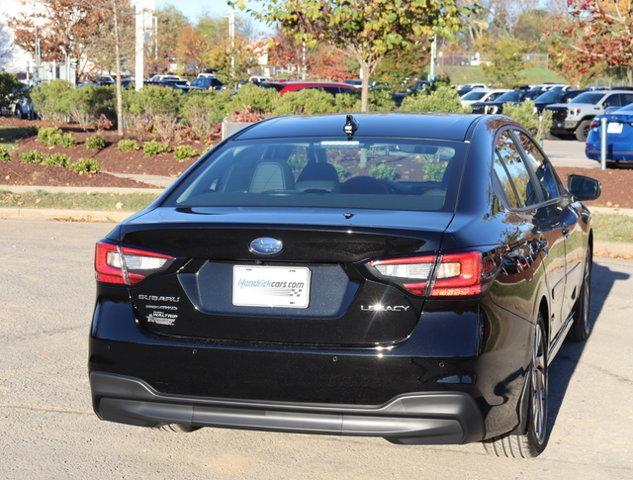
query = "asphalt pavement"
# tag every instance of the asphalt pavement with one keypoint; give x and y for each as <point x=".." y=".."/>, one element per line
<point x="48" y="430"/>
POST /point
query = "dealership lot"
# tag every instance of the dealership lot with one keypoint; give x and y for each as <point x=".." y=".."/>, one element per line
<point x="49" y="430"/>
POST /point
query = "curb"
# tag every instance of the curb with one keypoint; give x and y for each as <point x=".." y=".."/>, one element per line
<point x="64" y="189"/>
<point x="62" y="214"/>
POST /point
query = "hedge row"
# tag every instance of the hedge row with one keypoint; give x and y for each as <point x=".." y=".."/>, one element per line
<point x="162" y="110"/>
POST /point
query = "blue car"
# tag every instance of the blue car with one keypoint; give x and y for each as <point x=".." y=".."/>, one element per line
<point x="619" y="136"/>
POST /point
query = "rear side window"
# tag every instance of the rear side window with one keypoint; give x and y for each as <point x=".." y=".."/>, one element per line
<point x="541" y="166"/>
<point x="375" y="173"/>
<point x="508" y="155"/>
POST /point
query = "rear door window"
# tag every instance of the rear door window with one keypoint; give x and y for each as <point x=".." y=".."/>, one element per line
<point x="541" y="166"/>
<point x="508" y="154"/>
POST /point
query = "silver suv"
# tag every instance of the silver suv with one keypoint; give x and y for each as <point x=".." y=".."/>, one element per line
<point x="575" y="117"/>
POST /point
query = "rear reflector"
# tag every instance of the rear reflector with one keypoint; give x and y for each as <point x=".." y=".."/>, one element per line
<point x="451" y="275"/>
<point x="126" y="266"/>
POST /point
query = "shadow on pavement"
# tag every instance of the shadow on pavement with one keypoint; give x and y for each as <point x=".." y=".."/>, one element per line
<point x="563" y="367"/>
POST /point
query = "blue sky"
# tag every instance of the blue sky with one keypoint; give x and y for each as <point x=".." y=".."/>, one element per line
<point x="195" y="8"/>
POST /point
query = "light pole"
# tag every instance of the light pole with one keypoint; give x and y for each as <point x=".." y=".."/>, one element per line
<point x="231" y="17"/>
<point x="431" y="76"/>
<point x="139" y="45"/>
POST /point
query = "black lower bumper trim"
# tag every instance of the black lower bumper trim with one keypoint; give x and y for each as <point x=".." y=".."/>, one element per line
<point x="428" y="418"/>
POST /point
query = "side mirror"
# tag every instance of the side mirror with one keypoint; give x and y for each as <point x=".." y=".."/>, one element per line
<point x="584" y="188"/>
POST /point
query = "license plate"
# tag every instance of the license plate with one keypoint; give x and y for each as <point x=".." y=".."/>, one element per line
<point x="614" y="127"/>
<point x="264" y="286"/>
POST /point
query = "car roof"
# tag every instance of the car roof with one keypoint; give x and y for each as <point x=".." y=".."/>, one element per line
<point x="404" y="125"/>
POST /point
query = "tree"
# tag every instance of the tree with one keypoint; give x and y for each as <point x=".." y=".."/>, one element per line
<point x="600" y="33"/>
<point x="65" y="28"/>
<point x="531" y="26"/>
<point x="507" y="60"/>
<point x="367" y="30"/>
<point x="330" y="63"/>
<point x="170" y="21"/>
<point x="191" y="47"/>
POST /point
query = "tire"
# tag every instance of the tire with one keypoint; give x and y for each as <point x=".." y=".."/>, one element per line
<point x="531" y="443"/>
<point x="581" y="328"/>
<point x="582" y="130"/>
<point x="177" y="428"/>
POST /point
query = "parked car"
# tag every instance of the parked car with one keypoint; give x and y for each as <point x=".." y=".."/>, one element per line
<point x="167" y="81"/>
<point x="401" y="276"/>
<point x="482" y="95"/>
<point x="330" y="87"/>
<point x="619" y="136"/>
<point x="554" y="95"/>
<point x="496" y="106"/>
<point x="398" y="97"/>
<point x="464" y="89"/>
<point x="257" y="79"/>
<point x="575" y="117"/>
<point x="202" y="83"/>
<point x="19" y="104"/>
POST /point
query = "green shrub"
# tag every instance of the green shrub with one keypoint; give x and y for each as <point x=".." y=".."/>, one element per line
<point x="95" y="142"/>
<point x="56" y="160"/>
<point x="85" y="165"/>
<point x="152" y="100"/>
<point x="184" y="152"/>
<point x="32" y="156"/>
<point x="45" y="133"/>
<point x="341" y="171"/>
<point x="525" y="113"/>
<point x="443" y="100"/>
<point x="4" y="154"/>
<point x="383" y="171"/>
<point x="10" y="89"/>
<point x="52" y="100"/>
<point x="203" y="110"/>
<point x="256" y="99"/>
<point x="305" y="102"/>
<point x="153" y="147"/>
<point x="434" y="170"/>
<point x="88" y="103"/>
<point x="127" y="145"/>
<point x="54" y="136"/>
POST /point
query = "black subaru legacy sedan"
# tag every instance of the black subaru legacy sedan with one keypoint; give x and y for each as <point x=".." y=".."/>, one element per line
<point x="403" y="276"/>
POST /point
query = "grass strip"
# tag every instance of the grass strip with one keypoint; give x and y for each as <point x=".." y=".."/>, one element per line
<point x="613" y="227"/>
<point x="85" y="201"/>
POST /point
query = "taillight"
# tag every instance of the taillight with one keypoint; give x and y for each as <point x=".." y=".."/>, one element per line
<point x="125" y="265"/>
<point x="594" y="124"/>
<point x="449" y="275"/>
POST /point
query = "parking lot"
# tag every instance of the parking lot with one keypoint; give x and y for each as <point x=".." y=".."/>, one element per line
<point x="48" y="429"/>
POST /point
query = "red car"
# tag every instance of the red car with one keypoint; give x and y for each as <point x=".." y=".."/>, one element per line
<point x="331" y="87"/>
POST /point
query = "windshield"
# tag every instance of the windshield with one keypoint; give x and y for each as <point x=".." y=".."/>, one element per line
<point x="588" y="97"/>
<point x="474" y="95"/>
<point x="377" y="173"/>
<point x="513" y="96"/>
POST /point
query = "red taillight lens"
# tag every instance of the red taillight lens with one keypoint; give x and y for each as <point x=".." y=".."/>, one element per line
<point x="450" y="275"/>
<point x="126" y="266"/>
<point x="594" y="124"/>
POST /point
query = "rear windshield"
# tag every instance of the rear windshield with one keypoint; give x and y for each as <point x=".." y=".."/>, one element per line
<point x="375" y="173"/>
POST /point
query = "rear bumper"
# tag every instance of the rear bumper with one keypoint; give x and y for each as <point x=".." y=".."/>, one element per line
<point x="593" y="152"/>
<point x="416" y="418"/>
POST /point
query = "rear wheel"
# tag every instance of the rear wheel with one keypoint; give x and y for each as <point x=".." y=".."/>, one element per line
<point x="534" y="440"/>
<point x="582" y="130"/>
<point x="581" y="327"/>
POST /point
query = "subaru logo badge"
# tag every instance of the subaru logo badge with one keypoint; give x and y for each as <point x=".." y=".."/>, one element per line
<point x="265" y="246"/>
